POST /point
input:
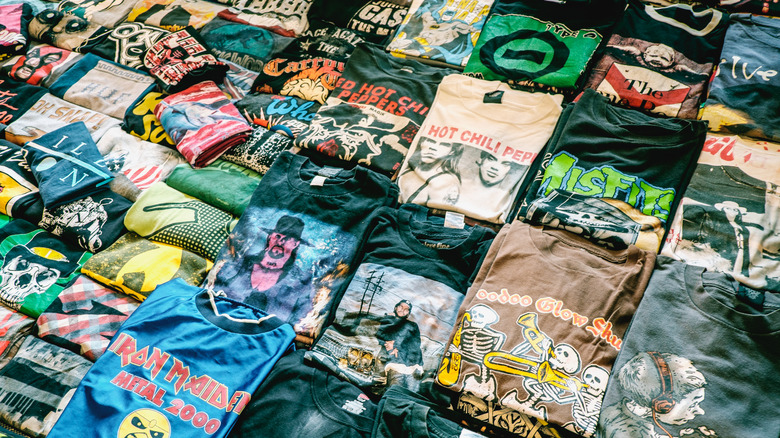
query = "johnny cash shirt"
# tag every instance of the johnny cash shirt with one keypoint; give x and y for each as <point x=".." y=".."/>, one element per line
<point x="743" y="93"/>
<point x="728" y="219"/>
<point x="543" y="348"/>
<point x="295" y="247"/>
<point x="476" y="146"/>
<point x="441" y="30"/>
<point x="392" y="323"/>
<point x="198" y="358"/>
<point x="680" y="372"/>
<point x="375" y="111"/>
<point x="306" y="400"/>
<point x="660" y="59"/>
<point x="604" y="151"/>
<point x="541" y="42"/>
<point x="36" y="266"/>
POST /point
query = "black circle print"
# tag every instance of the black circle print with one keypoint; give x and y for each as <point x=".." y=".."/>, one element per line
<point x="488" y="54"/>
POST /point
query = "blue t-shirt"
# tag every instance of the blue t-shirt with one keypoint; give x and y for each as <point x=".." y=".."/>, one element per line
<point x="184" y="364"/>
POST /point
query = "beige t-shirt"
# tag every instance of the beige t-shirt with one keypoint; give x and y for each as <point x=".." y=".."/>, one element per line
<point x="475" y="147"/>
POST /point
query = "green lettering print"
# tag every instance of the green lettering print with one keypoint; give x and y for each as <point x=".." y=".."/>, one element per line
<point x="606" y="182"/>
<point x="519" y="48"/>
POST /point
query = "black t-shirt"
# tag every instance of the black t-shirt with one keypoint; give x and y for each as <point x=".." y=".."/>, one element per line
<point x="305" y="401"/>
<point x="127" y="43"/>
<point x="243" y="44"/>
<point x="660" y="59"/>
<point x="378" y="19"/>
<point x="323" y="39"/>
<point x="16" y="98"/>
<point x="14" y="37"/>
<point x="20" y="189"/>
<point x="375" y="111"/>
<point x="295" y="246"/>
<point x="400" y="306"/>
<point x="140" y="120"/>
<point x="300" y="76"/>
<point x="605" y="151"/>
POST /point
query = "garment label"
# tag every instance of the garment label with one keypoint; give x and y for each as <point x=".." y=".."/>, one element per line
<point x="493" y="96"/>
<point x="437" y="245"/>
<point x="318" y="181"/>
<point x="751" y="297"/>
<point x="355" y="406"/>
<point x="454" y="220"/>
<point x="328" y="171"/>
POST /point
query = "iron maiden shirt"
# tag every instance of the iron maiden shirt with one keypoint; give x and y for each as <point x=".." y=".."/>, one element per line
<point x="294" y="248"/>
<point x="375" y="111"/>
<point x="441" y="30"/>
<point x="743" y="97"/>
<point x="476" y="146"/>
<point x="184" y="364"/>
<point x="699" y="359"/>
<point x="391" y="325"/>
<point x="542" y="345"/>
<point x="729" y="219"/>
<point x="660" y="59"/>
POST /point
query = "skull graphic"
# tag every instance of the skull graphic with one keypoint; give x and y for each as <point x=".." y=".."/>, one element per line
<point x="21" y="276"/>
<point x="596" y="378"/>
<point x="565" y="358"/>
<point x="482" y="316"/>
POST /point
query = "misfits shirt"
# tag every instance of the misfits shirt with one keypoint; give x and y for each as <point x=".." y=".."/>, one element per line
<point x="729" y="219"/>
<point x="393" y="321"/>
<point x="476" y="146"/>
<point x="50" y="113"/>
<point x="306" y="401"/>
<point x="198" y="358"/>
<point x="541" y="42"/>
<point x="136" y="266"/>
<point x="36" y="266"/>
<point x="66" y="31"/>
<point x="660" y="59"/>
<point x="36" y="385"/>
<point x="166" y="215"/>
<point x="294" y="248"/>
<point x="699" y="360"/>
<point x="375" y="111"/>
<point x="84" y="317"/>
<point x="283" y="17"/>
<point x="67" y="165"/>
<point x="376" y="19"/>
<point x="441" y="30"/>
<point x="40" y="65"/>
<point x="542" y="347"/>
<point x="743" y="93"/>
<point x="608" y="152"/>
<point x="14" y="37"/>
<point x="140" y="120"/>
<point x="127" y="43"/>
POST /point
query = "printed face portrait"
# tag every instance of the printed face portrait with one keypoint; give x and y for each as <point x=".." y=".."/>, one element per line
<point x="492" y="170"/>
<point x="686" y="409"/>
<point x="61" y="30"/>
<point x="402" y="310"/>
<point x="279" y="248"/>
<point x="432" y="150"/>
<point x="33" y="62"/>
<point x="660" y="56"/>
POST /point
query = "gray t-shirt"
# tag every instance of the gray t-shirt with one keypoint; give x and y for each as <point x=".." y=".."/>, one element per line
<point x="700" y="359"/>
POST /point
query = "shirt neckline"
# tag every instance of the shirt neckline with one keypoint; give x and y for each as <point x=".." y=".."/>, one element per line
<point x="296" y="164"/>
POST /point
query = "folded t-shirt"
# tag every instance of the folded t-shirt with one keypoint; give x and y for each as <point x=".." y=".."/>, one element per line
<point x="260" y="151"/>
<point x="17" y="98"/>
<point x="14" y="37"/>
<point x="67" y="165"/>
<point x="228" y="190"/>
<point x="107" y="14"/>
<point x="174" y="14"/>
<point x="66" y="31"/>
<point x="40" y="65"/>
<point x="202" y="122"/>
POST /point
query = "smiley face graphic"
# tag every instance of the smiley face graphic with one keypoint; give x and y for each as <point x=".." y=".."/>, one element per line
<point x="144" y="423"/>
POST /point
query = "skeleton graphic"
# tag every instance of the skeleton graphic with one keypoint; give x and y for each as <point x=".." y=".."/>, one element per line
<point x="587" y="406"/>
<point x="84" y="218"/>
<point x="22" y="276"/>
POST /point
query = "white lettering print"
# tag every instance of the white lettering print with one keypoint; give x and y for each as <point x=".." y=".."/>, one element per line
<point x="763" y="74"/>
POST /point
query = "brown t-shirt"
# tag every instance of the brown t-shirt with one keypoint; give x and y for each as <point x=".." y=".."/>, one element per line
<point x="541" y="326"/>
